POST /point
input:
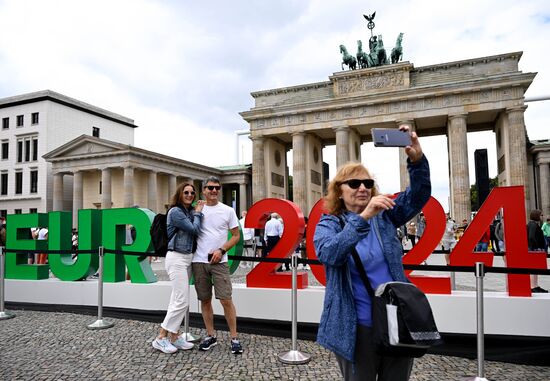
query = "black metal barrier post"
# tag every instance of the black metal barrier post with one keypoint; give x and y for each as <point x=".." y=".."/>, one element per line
<point x="480" y="273"/>
<point x="100" y="323"/>
<point x="294" y="356"/>
<point x="3" y="314"/>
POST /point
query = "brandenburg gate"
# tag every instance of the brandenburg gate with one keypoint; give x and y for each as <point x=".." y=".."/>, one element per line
<point x="448" y="99"/>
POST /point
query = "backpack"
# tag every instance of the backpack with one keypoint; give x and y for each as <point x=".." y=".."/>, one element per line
<point x="159" y="234"/>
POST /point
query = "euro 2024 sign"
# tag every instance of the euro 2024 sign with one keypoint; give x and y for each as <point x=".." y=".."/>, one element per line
<point x="107" y="228"/>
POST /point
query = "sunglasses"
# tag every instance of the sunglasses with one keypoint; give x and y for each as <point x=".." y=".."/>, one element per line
<point x="192" y="193"/>
<point x="356" y="183"/>
<point x="212" y="187"/>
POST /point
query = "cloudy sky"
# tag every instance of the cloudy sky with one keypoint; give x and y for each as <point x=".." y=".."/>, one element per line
<point x="183" y="70"/>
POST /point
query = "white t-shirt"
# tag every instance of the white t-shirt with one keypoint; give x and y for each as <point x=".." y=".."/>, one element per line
<point x="42" y="233"/>
<point x="216" y="223"/>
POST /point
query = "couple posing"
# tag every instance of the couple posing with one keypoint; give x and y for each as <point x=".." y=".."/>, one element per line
<point x="199" y="241"/>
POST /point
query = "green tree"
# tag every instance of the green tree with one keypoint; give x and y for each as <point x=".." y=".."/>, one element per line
<point x="474" y="197"/>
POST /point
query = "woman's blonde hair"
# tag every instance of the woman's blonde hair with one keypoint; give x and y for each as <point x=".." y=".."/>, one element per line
<point x="333" y="201"/>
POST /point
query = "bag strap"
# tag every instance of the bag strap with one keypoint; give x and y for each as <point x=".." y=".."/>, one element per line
<point x="359" y="265"/>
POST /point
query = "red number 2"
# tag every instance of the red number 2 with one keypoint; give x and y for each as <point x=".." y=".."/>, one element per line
<point x="264" y="275"/>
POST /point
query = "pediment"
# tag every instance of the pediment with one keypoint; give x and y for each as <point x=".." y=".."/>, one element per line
<point x="86" y="146"/>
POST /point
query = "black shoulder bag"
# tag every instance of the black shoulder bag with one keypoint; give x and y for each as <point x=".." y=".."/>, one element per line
<point x="402" y="319"/>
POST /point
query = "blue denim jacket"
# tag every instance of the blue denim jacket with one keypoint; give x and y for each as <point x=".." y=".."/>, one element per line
<point x="187" y="225"/>
<point x="338" y="325"/>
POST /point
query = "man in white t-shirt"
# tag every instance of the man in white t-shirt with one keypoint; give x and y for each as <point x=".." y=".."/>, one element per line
<point x="210" y="263"/>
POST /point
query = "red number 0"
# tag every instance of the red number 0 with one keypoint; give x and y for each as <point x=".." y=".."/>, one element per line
<point x="264" y="275"/>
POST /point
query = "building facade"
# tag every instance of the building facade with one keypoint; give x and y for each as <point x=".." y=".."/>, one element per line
<point x="448" y="99"/>
<point x="106" y="174"/>
<point x="36" y="123"/>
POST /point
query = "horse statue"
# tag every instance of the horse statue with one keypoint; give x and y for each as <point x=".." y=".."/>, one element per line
<point x="382" y="57"/>
<point x="347" y="59"/>
<point x="362" y="57"/>
<point x="397" y="52"/>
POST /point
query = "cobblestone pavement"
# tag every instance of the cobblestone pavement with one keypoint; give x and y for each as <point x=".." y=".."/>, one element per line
<point x="57" y="346"/>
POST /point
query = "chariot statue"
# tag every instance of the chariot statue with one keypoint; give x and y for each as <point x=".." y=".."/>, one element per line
<point x="377" y="55"/>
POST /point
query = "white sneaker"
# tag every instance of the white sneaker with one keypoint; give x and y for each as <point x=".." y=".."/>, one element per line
<point x="164" y="345"/>
<point x="182" y="344"/>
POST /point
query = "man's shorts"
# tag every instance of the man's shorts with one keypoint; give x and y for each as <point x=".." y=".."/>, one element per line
<point x="205" y="274"/>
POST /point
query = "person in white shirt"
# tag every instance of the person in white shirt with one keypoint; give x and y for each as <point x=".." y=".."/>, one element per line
<point x="210" y="263"/>
<point x="248" y="239"/>
<point x="272" y="233"/>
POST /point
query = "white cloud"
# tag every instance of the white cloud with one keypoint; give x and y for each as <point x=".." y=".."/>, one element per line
<point x="184" y="70"/>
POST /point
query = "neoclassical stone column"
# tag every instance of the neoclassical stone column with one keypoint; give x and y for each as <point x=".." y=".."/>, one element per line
<point x="544" y="178"/>
<point x="128" y="187"/>
<point x="459" y="175"/>
<point x="342" y="145"/>
<point x="518" y="149"/>
<point x="404" y="180"/>
<point x="299" y="186"/>
<point x="173" y="184"/>
<point x="106" y="199"/>
<point x="58" y="191"/>
<point x="78" y="196"/>
<point x="258" y="169"/>
<point x="243" y="199"/>
<point x="152" y="191"/>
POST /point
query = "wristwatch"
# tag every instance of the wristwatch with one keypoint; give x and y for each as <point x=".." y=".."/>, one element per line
<point x="222" y="250"/>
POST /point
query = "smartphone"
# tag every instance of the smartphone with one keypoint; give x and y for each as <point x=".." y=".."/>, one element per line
<point x="210" y="257"/>
<point x="389" y="137"/>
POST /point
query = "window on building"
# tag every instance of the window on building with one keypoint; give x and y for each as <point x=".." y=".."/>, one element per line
<point x="27" y="150"/>
<point x="5" y="150"/>
<point x="18" y="182"/>
<point x="18" y="211"/>
<point x="34" y="149"/>
<point x="100" y="187"/>
<point x="5" y="123"/>
<point x="95" y="132"/>
<point x="34" y="181"/>
<point x="19" y="151"/>
<point x="4" y="183"/>
<point x="3" y="213"/>
<point x="33" y="210"/>
<point x="34" y="118"/>
<point x="20" y="119"/>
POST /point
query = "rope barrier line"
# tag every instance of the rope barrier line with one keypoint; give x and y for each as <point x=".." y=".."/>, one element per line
<point x="314" y="262"/>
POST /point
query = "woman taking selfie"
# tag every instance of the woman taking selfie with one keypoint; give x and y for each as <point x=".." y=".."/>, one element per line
<point x="361" y="218"/>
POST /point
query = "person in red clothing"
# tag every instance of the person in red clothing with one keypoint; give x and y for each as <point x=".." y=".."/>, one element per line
<point x="483" y="244"/>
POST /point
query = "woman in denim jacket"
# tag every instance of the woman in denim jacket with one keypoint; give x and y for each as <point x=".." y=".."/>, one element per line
<point x="183" y="224"/>
<point x="369" y="221"/>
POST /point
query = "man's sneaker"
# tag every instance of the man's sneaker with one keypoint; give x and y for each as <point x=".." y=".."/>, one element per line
<point x="236" y="347"/>
<point x="539" y="290"/>
<point x="182" y="344"/>
<point x="164" y="345"/>
<point x="208" y="343"/>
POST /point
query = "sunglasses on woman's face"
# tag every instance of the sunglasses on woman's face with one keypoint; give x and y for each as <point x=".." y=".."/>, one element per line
<point x="187" y="193"/>
<point x="356" y="183"/>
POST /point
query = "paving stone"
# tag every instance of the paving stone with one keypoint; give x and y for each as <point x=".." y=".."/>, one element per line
<point x="57" y="346"/>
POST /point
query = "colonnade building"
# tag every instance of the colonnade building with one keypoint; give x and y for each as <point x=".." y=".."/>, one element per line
<point x="448" y="99"/>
